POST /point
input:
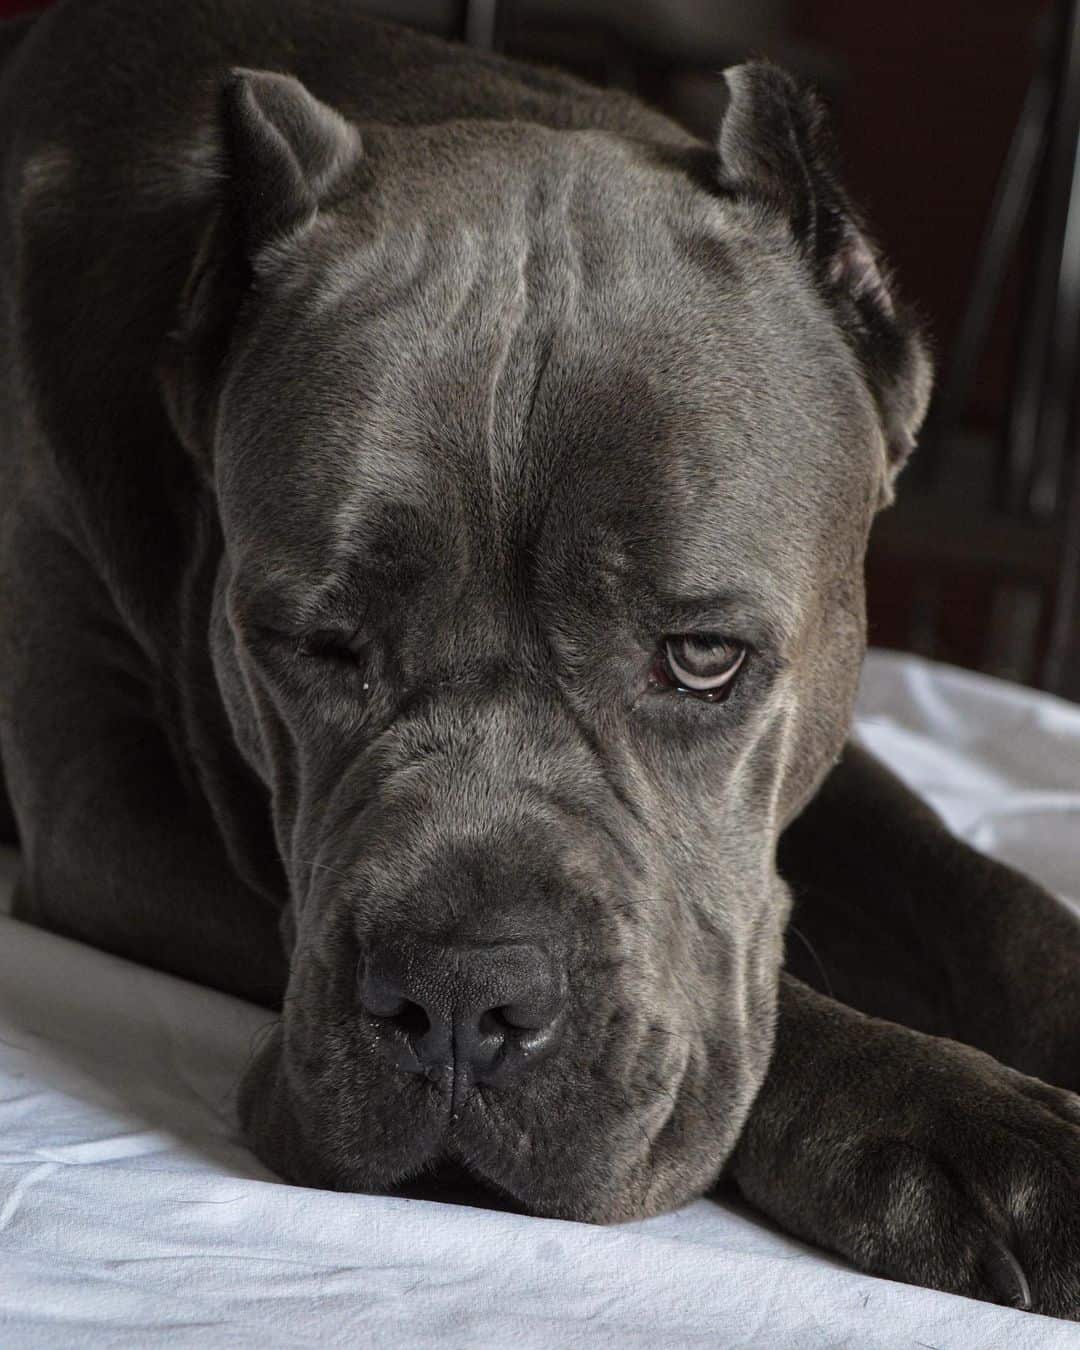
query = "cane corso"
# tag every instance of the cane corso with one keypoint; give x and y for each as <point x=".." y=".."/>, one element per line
<point x="434" y="501"/>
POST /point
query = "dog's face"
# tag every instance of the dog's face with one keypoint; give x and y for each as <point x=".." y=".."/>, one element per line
<point x="544" y="475"/>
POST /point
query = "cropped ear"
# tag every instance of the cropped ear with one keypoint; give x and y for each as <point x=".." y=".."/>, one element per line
<point x="776" y="148"/>
<point x="285" y="151"/>
<point x="283" y="155"/>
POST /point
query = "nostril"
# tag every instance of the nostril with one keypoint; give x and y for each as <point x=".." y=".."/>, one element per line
<point x="506" y="1024"/>
<point x="401" y="1013"/>
<point x="465" y="1014"/>
<point x="411" y="1019"/>
<point x="522" y="1017"/>
<point x="388" y="1005"/>
<point x="505" y="1038"/>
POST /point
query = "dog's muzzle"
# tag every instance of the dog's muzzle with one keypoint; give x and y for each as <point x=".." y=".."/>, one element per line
<point x="463" y="1015"/>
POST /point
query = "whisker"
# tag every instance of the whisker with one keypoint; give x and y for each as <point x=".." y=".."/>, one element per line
<point x="816" y="959"/>
<point x="324" y="867"/>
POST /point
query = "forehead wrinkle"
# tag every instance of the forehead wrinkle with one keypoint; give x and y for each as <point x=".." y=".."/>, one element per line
<point x="498" y="428"/>
<point x="376" y="274"/>
<point x="476" y="330"/>
<point x="477" y="305"/>
<point x="455" y="363"/>
<point x="424" y="420"/>
<point x="547" y="288"/>
<point x="497" y="338"/>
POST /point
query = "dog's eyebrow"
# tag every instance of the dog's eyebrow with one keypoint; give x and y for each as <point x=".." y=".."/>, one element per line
<point x="750" y="615"/>
<point x="269" y="611"/>
<point x="281" y="604"/>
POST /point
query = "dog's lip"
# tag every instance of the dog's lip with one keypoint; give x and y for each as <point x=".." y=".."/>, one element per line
<point x="449" y="1181"/>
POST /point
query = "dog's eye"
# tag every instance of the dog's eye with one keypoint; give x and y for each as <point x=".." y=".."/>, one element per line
<point x="329" y="645"/>
<point x="703" y="665"/>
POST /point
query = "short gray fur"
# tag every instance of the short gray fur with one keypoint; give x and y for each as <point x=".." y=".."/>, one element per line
<point x="365" y="427"/>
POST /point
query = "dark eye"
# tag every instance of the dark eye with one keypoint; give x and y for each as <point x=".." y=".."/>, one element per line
<point x="704" y="665"/>
<point x="330" y="645"/>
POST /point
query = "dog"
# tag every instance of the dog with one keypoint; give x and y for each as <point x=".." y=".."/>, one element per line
<point x="435" y="494"/>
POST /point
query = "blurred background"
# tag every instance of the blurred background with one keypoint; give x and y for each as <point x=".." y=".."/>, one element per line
<point x="958" y="128"/>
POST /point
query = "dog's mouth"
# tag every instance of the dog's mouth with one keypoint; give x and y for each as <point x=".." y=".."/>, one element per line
<point x="450" y="1182"/>
<point x="621" y="1120"/>
<point x="608" y="1157"/>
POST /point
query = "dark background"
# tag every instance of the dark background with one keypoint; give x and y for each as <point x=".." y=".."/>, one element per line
<point x="929" y="96"/>
<point x="925" y="97"/>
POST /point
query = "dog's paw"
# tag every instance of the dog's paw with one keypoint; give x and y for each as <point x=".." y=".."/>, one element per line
<point x="973" y="1187"/>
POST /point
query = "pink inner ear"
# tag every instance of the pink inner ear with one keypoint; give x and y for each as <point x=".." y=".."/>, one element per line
<point x="856" y="270"/>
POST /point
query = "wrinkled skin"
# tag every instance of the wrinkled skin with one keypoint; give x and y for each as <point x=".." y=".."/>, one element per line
<point x="508" y="769"/>
<point x="366" y="442"/>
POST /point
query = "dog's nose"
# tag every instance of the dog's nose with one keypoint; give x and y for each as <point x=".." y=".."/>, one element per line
<point x="463" y="1014"/>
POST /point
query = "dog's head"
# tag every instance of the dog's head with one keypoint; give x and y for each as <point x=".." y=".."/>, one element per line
<point x="544" y="462"/>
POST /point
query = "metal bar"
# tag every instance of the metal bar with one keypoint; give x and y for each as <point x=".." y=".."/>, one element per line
<point x="1008" y="211"/>
<point x="1061" y="667"/>
<point x="1032" y="415"/>
<point x="1055" y="420"/>
<point x="481" y="23"/>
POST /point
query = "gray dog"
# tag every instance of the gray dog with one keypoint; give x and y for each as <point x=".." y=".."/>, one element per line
<point x="434" y="502"/>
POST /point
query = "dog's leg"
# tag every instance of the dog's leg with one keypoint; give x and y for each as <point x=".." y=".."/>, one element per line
<point x="118" y="850"/>
<point x="896" y="917"/>
<point x="120" y="857"/>
<point x="916" y="1157"/>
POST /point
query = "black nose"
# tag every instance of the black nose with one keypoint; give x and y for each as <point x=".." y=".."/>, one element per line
<point x="463" y="1014"/>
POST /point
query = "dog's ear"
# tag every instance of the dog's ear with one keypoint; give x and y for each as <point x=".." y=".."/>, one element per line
<point x="776" y="149"/>
<point x="284" y="153"/>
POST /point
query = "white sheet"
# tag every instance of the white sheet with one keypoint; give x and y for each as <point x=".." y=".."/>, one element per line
<point x="130" y="1215"/>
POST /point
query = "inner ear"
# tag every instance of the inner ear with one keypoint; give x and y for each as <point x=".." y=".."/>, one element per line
<point x="285" y="155"/>
<point x="776" y="149"/>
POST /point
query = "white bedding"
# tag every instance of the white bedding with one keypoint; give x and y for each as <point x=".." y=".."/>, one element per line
<point x="131" y="1216"/>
